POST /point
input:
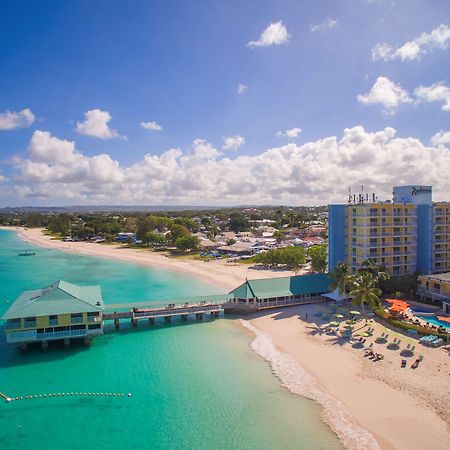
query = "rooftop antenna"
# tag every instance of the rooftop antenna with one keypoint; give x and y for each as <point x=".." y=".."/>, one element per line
<point x="349" y="195"/>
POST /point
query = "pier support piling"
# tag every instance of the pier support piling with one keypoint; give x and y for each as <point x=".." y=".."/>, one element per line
<point x="66" y="342"/>
<point x="184" y="317"/>
<point x="199" y="316"/>
<point x="134" y="323"/>
<point x="151" y="320"/>
<point x="116" y="324"/>
<point x="87" y="340"/>
<point x="168" y="319"/>
<point x="44" y="346"/>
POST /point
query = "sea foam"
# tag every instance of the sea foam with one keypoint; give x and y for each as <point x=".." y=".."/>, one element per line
<point x="298" y="381"/>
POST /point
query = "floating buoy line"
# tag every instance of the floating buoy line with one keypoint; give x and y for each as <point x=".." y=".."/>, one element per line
<point x="63" y="394"/>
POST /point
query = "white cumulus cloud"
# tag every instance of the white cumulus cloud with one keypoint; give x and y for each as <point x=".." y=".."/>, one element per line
<point x="292" y="133"/>
<point x="437" y="92"/>
<point x="96" y="124"/>
<point x="325" y="25"/>
<point x="440" y="138"/>
<point x="439" y="38"/>
<point x="11" y="120"/>
<point x="233" y="142"/>
<point x="151" y="126"/>
<point x="46" y="148"/>
<point x="386" y="93"/>
<point x="275" y="34"/>
<point x="307" y="174"/>
<point x="241" y="88"/>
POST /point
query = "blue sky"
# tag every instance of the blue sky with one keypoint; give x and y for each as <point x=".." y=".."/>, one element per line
<point x="179" y="64"/>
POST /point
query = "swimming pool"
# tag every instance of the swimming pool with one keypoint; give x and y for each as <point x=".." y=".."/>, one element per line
<point x="434" y="321"/>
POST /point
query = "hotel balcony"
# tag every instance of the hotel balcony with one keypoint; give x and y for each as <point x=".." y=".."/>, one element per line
<point x="442" y="259"/>
<point x="34" y="336"/>
<point x="433" y="293"/>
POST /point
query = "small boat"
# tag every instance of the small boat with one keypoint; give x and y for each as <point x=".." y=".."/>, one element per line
<point x="27" y="253"/>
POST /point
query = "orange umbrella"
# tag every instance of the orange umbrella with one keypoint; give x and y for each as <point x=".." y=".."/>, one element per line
<point x="444" y="319"/>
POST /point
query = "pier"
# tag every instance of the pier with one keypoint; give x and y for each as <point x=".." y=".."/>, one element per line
<point x="199" y="308"/>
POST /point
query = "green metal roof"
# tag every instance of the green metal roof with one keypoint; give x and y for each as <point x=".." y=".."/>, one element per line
<point x="283" y="286"/>
<point x="59" y="297"/>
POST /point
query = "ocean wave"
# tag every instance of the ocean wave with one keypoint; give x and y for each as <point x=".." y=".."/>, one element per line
<point x="298" y="381"/>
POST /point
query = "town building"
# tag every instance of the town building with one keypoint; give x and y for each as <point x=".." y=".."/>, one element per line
<point x="59" y="311"/>
<point x="126" y="237"/>
<point x="435" y="289"/>
<point x="406" y="234"/>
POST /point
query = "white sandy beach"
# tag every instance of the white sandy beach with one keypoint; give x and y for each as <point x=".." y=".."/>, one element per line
<point x="219" y="272"/>
<point x="368" y="404"/>
<point x="402" y="408"/>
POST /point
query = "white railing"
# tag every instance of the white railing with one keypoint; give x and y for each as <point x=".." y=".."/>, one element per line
<point x="60" y="334"/>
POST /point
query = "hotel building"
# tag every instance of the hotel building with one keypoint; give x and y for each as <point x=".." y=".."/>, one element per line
<point x="408" y="234"/>
<point x="435" y="289"/>
<point x="59" y="311"/>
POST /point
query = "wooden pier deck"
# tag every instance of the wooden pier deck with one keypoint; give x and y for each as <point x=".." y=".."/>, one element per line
<point x="198" y="306"/>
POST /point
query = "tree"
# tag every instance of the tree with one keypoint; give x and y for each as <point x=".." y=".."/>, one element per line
<point x="279" y="236"/>
<point x="145" y="225"/>
<point x="206" y="221"/>
<point x="186" y="243"/>
<point x="293" y="257"/>
<point x="231" y="241"/>
<point x="238" y="222"/>
<point x="178" y="231"/>
<point x="318" y="255"/>
<point x="375" y="268"/>
<point x="152" y="237"/>
<point x="60" y="224"/>
<point x="341" y="278"/>
<point x="364" y="291"/>
<point x="407" y="284"/>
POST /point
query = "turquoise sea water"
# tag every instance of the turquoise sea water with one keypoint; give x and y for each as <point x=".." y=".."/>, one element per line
<point x="194" y="386"/>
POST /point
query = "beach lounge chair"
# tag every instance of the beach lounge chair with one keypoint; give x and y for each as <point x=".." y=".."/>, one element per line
<point x="413" y="348"/>
<point x="415" y="364"/>
<point x="403" y="365"/>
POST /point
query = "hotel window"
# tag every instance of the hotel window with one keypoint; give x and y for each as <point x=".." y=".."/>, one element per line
<point x="30" y="322"/>
<point x="12" y="324"/>
<point x="53" y="321"/>
<point x="76" y="318"/>
<point x="436" y="286"/>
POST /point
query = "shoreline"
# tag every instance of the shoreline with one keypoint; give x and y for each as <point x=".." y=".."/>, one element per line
<point x="362" y="401"/>
<point x="369" y="405"/>
<point x="220" y="273"/>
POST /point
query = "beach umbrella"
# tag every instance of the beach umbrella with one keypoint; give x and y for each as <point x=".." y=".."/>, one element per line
<point x="334" y="324"/>
<point x="355" y="313"/>
<point x="339" y="316"/>
<point x="363" y="334"/>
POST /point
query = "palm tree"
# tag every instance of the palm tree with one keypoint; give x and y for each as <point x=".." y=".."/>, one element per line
<point x="341" y="278"/>
<point x="375" y="268"/>
<point x="364" y="291"/>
